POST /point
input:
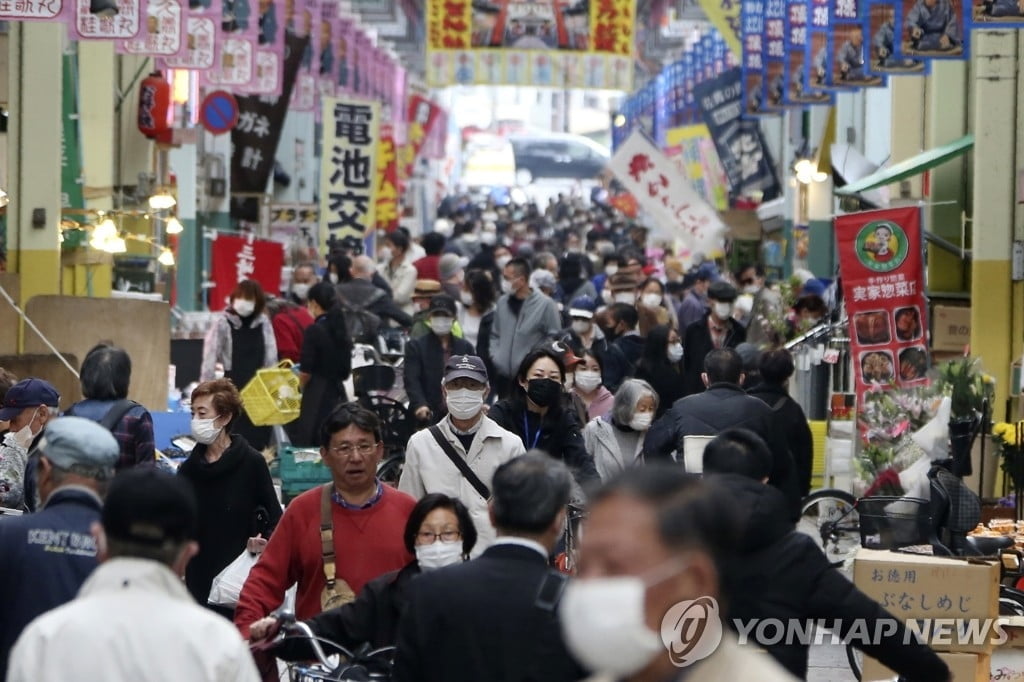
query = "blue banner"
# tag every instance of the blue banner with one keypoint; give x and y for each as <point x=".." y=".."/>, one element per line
<point x="933" y="29"/>
<point x="848" y="50"/>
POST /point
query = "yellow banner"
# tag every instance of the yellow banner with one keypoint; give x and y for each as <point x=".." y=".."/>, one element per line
<point x="725" y="16"/>
<point x="348" y="172"/>
<point x="546" y="43"/>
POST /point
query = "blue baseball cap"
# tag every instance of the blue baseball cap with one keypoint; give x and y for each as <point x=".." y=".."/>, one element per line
<point x="68" y="441"/>
<point x="28" y="393"/>
<point x="583" y="307"/>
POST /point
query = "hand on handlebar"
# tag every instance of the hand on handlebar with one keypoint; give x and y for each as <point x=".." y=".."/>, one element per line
<point x="264" y="629"/>
<point x="422" y="413"/>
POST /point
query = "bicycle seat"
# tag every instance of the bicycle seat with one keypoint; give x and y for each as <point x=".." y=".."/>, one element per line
<point x="989" y="546"/>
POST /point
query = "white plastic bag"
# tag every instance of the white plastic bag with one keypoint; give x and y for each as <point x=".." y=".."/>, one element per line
<point x="227" y="585"/>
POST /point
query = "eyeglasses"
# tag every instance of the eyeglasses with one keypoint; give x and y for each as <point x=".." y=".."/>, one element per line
<point x="428" y="538"/>
<point x="346" y="449"/>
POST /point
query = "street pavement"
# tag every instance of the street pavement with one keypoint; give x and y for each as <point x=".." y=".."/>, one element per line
<point x="827" y="663"/>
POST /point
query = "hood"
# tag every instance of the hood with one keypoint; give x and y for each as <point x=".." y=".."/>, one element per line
<point x="761" y="509"/>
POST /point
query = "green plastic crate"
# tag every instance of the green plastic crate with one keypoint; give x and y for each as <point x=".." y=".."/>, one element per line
<point x="301" y="470"/>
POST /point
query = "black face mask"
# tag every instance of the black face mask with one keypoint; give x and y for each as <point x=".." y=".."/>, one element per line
<point x="543" y="392"/>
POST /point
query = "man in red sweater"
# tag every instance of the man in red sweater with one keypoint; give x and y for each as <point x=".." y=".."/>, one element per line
<point x="289" y="322"/>
<point x="368" y="523"/>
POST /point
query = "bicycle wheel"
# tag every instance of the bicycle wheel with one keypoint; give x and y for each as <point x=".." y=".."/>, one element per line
<point x="830" y="518"/>
<point x="390" y="470"/>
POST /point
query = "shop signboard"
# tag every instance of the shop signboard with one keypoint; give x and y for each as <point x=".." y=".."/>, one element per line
<point x="883" y="285"/>
<point x="387" y="180"/>
<point x="239" y="257"/>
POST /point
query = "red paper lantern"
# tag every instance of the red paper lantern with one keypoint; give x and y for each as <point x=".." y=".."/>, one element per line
<point x="155" y="106"/>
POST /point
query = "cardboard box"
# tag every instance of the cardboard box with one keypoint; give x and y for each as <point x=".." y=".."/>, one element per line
<point x="950" y="598"/>
<point x="951" y="327"/>
<point x="965" y="668"/>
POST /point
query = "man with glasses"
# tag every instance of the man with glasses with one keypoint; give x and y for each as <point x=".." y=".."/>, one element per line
<point x="366" y="518"/>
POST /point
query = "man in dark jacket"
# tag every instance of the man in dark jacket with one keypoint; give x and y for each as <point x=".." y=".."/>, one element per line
<point x="623" y="320"/>
<point x="361" y="293"/>
<point x="426" y="357"/>
<point x="48" y="555"/>
<point x="716" y="329"/>
<point x="783" y="574"/>
<point x="776" y="367"/>
<point x="723" y="406"/>
<point x="495" y="618"/>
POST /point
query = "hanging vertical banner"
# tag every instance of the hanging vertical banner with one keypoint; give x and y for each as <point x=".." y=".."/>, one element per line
<point x="348" y="171"/>
<point x="725" y="16"/>
<point x="254" y="138"/>
<point x="883" y="284"/>
<point x="71" y="195"/>
<point x="798" y="66"/>
<point x="818" y="31"/>
<point x="996" y="14"/>
<point x="125" y="24"/>
<point x="882" y="19"/>
<point x="933" y="29"/>
<point x="235" y="258"/>
<point x="387" y="180"/>
<point x="754" y="58"/>
<point x="163" y="34"/>
<point x="848" y="53"/>
<point x="235" y="65"/>
<point x="740" y="145"/>
<point x="423" y="115"/>
<point x="202" y="31"/>
<point x="664" y="193"/>
<point x="299" y="22"/>
<point x="775" y="53"/>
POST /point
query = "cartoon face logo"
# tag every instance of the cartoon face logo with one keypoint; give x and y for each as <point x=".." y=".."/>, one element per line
<point x="882" y="246"/>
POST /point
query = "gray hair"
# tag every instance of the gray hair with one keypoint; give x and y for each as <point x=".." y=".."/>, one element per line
<point x="363" y="267"/>
<point x="529" y="492"/>
<point x="96" y="473"/>
<point x="627" y="397"/>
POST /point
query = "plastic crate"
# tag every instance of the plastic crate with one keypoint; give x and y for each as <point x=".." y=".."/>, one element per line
<point x="272" y="396"/>
<point x="301" y="470"/>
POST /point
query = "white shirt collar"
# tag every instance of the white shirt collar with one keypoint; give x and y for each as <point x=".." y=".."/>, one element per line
<point x="522" y="542"/>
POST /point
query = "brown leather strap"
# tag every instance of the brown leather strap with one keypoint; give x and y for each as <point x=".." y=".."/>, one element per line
<point x="327" y="534"/>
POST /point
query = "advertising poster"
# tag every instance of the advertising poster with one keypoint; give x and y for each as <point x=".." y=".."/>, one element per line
<point x="238" y="257"/>
<point x="883" y="283"/>
<point x="798" y="66"/>
<point x="753" y="58"/>
<point x="848" y="52"/>
<point x="694" y="153"/>
<point x="515" y="33"/>
<point x="724" y="15"/>
<point x="163" y="34"/>
<point x="88" y="26"/>
<point x="202" y="32"/>
<point x="933" y="29"/>
<point x="387" y="180"/>
<point x="775" y="53"/>
<point x="348" y="174"/>
<point x="882" y="59"/>
<point x="996" y="14"/>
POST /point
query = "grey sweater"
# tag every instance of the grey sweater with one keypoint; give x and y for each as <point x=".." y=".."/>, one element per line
<point x="513" y="337"/>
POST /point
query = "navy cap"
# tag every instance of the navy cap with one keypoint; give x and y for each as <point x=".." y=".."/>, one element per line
<point x="28" y="393"/>
<point x="465" y="366"/>
<point x="150" y="507"/>
<point x="813" y="287"/>
<point x="70" y="441"/>
<point x="722" y="291"/>
<point x="442" y="303"/>
<point x="582" y="306"/>
<point x="707" y="271"/>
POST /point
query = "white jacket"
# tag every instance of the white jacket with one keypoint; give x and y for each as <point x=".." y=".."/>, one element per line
<point x="429" y="470"/>
<point x="133" y="619"/>
<point x="599" y="440"/>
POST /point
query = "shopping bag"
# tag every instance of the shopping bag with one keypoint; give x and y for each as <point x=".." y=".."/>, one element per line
<point x="227" y="585"/>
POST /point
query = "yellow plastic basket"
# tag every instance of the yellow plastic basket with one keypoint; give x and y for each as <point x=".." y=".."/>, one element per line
<point x="272" y="396"/>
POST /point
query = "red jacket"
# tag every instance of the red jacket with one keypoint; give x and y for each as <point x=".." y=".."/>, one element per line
<point x="289" y="326"/>
<point x="426" y="268"/>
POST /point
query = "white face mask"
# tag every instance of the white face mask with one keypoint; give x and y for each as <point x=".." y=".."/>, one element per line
<point x="333" y="277"/>
<point x="604" y="626"/>
<point x="641" y="421"/>
<point x="384" y="255"/>
<point x="464" y="403"/>
<point x="441" y="324"/>
<point x="502" y="261"/>
<point x="301" y="290"/>
<point x="204" y="431"/>
<point x="588" y="380"/>
<point x="506" y="286"/>
<point x="651" y="300"/>
<point x="466" y="297"/>
<point x="24" y="435"/>
<point x="439" y="554"/>
<point x="244" y="307"/>
<point x="751" y="289"/>
<point x="581" y="327"/>
<point x="722" y="310"/>
<point x="624" y="297"/>
<point x="611" y="269"/>
<point x="675" y="352"/>
<point x="488" y="238"/>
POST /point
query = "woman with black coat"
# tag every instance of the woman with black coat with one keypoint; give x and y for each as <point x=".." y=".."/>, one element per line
<point x="325" y="362"/>
<point x="536" y="414"/>
<point x="661" y="366"/>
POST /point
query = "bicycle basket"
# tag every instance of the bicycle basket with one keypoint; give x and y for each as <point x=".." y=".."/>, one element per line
<point x="893" y="522"/>
<point x="272" y="396"/>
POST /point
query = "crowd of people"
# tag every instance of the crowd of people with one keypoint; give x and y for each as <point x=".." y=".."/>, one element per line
<point x="556" y="360"/>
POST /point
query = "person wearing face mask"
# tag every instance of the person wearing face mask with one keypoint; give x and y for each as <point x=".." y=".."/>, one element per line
<point x="28" y="406"/>
<point x="656" y="537"/>
<point x="611" y="263"/>
<point x="616" y="439"/>
<point x="537" y="414"/>
<point x="439" y="533"/>
<point x="425" y="359"/>
<point x="695" y="304"/>
<point x="623" y="320"/>
<point x="661" y="366"/>
<point x="651" y="306"/>
<point x="398" y="272"/>
<point x="303" y="277"/>
<point x="238" y="508"/>
<point x="75" y="458"/>
<point x="588" y="386"/>
<point x="573" y="281"/>
<point x="585" y="334"/>
<point x="717" y="329"/>
<point x="467" y="434"/>
<point x="621" y="288"/>
<point x="493" y="618"/>
<point x="477" y="305"/>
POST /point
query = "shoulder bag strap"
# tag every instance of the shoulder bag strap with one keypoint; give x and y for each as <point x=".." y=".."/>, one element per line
<point x="116" y="412"/>
<point x="460" y="463"/>
<point x="327" y="535"/>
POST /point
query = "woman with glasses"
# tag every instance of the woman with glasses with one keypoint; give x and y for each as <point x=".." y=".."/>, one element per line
<point x="439" y="533"/>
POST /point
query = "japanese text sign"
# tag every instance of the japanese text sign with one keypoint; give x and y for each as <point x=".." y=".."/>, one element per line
<point x="798" y="88"/>
<point x="125" y="24"/>
<point x="26" y="10"/>
<point x="348" y="174"/>
<point x="881" y="267"/>
<point x="423" y="115"/>
<point x="665" y="194"/>
<point x="202" y="34"/>
<point x="235" y="258"/>
<point x="725" y="16"/>
<point x="387" y="180"/>
<point x="163" y="34"/>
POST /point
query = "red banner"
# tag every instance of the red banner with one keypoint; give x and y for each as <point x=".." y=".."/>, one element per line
<point x="387" y="181"/>
<point x="236" y="258"/>
<point x="423" y="115"/>
<point x="883" y="282"/>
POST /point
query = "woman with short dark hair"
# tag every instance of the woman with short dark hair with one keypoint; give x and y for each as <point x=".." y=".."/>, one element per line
<point x="439" y="533"/>
<point x="238" y="507"/>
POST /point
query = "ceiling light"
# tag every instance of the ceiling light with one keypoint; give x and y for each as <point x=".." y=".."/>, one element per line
<point x="162" y="201"/>
<point x="166" y="258"/>
<point x="105" y="230"/>
<point x="174" y="226"/>
<point x="116" y="245"/>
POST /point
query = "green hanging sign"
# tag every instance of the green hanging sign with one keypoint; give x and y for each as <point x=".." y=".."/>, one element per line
<point x="70" y="143"/>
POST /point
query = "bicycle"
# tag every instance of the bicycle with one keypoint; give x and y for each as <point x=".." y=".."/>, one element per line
<point x="829" y="516"/>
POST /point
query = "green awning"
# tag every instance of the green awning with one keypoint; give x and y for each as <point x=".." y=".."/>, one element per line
<point x="907" y="168"/>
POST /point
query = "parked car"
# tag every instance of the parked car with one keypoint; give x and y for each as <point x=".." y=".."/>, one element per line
<point x="557" y="156"/>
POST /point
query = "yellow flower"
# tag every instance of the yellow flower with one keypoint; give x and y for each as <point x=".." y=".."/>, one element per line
<point x="988" y="378"/>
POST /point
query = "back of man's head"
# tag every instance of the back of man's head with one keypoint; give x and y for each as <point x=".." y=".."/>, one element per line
<point x="738" y="451"/>
<point x="624" y="313"/>
<point x="776" y="366"/>
<point x="723" y="365"/>
<point x="528" y="493"/>
<point x="150" y="514"/>
<point x="106" y="373"/>
<point x="363" y="267"/>
<point x="433" y="243"/>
